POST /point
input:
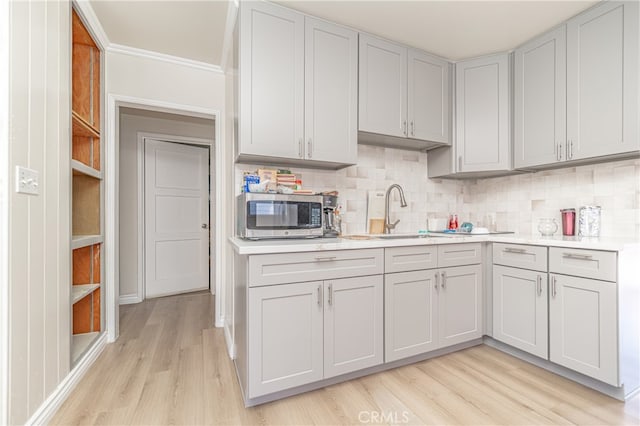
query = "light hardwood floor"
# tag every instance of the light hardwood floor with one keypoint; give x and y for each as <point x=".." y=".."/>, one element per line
<point x="170" y="366"/>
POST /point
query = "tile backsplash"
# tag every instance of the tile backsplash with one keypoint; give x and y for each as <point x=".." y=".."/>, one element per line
<point x="513" y="203"/>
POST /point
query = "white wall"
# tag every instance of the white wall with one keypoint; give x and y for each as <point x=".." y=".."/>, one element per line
<point x="39" y="239"/>
<point x="131" y="122"/>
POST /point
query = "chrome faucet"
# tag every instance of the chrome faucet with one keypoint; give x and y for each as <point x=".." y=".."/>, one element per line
<point x="388" y="226"/>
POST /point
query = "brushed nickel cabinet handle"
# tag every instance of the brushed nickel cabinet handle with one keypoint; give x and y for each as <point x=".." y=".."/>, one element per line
<point x="577" y="256"/>
<point x="553" y="286"/>
<point x="330" y="297"/>
<point x="309" y="148"/>
<point x="300" y="148"/>
<point x="436" y="277"/>
<point x="515" y="250"/>
<point x="444" y="279"/>
<point x="325" y="258"/>
<point x="539" y="284"/>
<point x="404" y="127"/>
<point x="319" y="295"/>
<point x="570" y="149"/>
<point x="559" y="152"/>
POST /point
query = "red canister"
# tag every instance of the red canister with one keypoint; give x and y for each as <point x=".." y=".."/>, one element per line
<point x="568" y="222"/>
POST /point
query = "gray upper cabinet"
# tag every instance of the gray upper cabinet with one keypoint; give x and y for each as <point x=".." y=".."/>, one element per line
<point x="540" y="100"/>
<point x="298" y="88"/>
<point x="331" y="92"/>
<point x="404" y="96"/>
<point x="428" y="97"/>
<point x="271" y="81"/>
<point x="482" y="114"/>
<point x="602" y="81"/>
<point x="383" y="87"/>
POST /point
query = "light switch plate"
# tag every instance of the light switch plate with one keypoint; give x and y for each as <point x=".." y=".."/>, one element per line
<point x="27" y="181"/>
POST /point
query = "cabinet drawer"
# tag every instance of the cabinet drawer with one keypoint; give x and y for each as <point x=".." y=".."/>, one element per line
<point x="414" y="258"/>
<point x="459" y="254"/>
<point x="520" y="256"/>
<point x="599" y="265"/>
<point x="270" y="269"/>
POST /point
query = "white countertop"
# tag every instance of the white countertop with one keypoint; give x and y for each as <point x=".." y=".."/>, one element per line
<point x="320" y="244"/>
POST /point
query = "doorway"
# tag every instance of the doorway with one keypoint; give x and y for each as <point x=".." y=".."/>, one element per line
<point x="180" y="136"/>
<point x="176" y="218"/>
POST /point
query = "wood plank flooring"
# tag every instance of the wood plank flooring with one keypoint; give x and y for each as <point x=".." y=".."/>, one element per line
<point x="170" y="366"/>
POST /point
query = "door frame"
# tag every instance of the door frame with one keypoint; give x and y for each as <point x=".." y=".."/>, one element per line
<point x="140" y="146"/>
<point x="112" y="149"/>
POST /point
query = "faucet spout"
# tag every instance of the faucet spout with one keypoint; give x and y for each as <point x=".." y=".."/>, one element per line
<point x="388" y="226"/>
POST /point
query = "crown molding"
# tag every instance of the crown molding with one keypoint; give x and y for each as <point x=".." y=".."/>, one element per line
<point x="84" y="9"/>
<point x="142" y="53"/>
<point x="227" y="43"/>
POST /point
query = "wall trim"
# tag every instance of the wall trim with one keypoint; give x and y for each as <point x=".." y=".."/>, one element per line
<point x="140" y="146"/>
<point x="50" y="406"/>
<point x="142" y="53"/>
<point x="85" y="11"/>
<point x="4" y="211"/>
<point x="112" y="137"/>
<point x="129" y="299"/>
<point x="229" y="26"/>
<point x="231" y="347"/>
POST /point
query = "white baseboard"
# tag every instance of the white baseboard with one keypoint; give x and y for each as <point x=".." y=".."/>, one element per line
<point x="129" y="299"/>
<point x="50" y="406"/>
<point x="231" y="347"/>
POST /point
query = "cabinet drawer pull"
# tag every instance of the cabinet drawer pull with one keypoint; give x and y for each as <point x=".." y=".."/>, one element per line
<point x="515" y="250"/>
<point x="325" y="258"/>
<point x="309" y="148"/>
<point x="413" y="128"/>
<point x="577" y="256"/>
<point x="436" y="277"/>
<point x="444" y="279"/>
<point x="404" y="127"/>
<point x="330" y="296"/>
<point x="553" y="287"/>
<point x="559" y="152"/>
<point x="539" y="284"/>
<point x="319" y="295"/>
<point x="300" y="147"/>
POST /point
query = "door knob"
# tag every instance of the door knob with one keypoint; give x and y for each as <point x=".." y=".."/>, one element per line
<point x="205" y="226"/>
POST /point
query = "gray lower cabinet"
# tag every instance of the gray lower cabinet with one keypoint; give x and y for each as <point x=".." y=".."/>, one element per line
<point x="305" y="332"/>
<point x="432" y="308"/>
<point x="520" y="317"/>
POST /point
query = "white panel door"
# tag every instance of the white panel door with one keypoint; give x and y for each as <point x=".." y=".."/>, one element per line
<point x="520" y="315"/>
<point x="176" y="194"/>
<point x="428" y="97"/>
<point x="353" y="324"/>
<point x="602" y="80"/>
<point x="285" y="336"/>
<point x="383" y="87"/>
<point x="271" y="81"/>
<point x="460" y="304"/>
<point x="540" y="100"/>
<point x="411" y="312"/>
<point x="331" y="92"/>
<point x="482" y="114"/>
<point x="583" y="326"/>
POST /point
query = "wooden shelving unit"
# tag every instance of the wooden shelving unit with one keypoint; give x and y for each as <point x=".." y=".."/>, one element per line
<point x="87" y="190"/>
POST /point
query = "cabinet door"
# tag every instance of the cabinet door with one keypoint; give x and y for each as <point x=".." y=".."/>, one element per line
<point x="331" y="92"/>
<point x="583" y="326"/>
<point x="383" y="87"/>
<point x="482" y="114"/>
<point x="460" y="307"/>
<point x="540" y="100"/>
<point x="285" y="336"/>
<point x="353" y="324"/>
<point x="411" y="309"/>
<point x="602" y="81"/>
<point x="271" y="81"/>
<point x="520" y="309"/>
<point x="428" y="97"/>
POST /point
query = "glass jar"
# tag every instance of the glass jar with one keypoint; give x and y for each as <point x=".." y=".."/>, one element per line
<point x="547" y="226"/>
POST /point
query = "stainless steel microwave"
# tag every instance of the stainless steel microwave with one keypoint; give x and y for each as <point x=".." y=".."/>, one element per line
<point x="262" y="216"/>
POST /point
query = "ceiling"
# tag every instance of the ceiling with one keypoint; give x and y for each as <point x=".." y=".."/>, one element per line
<point x="454" y="29"/>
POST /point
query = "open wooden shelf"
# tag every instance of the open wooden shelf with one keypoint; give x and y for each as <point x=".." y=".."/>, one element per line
<point x="79" y="241"/>
<point x="79" y="168"/>
<point x="86" y="205"/>
<point x="80" y="291"/>
<point x="80" y="343"/>
<point x="82" y="128"/>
